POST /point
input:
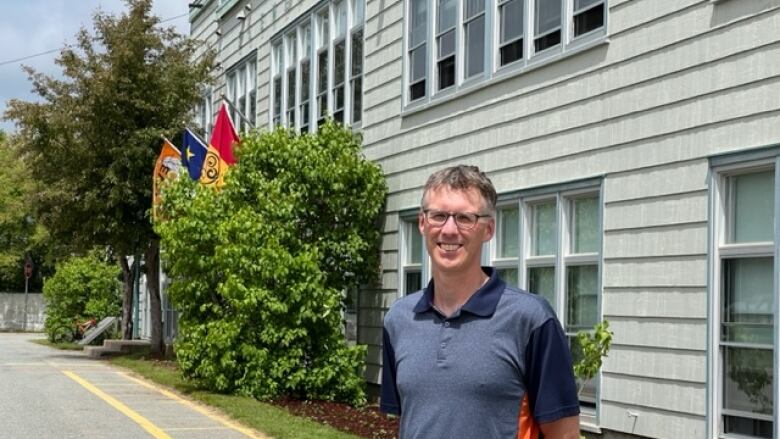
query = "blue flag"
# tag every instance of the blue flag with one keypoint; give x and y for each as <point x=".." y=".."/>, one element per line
<point x="193" y="154"/>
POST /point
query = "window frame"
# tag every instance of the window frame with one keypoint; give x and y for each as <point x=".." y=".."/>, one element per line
<point x="722" y="168"/>
<point x="204" y="113"/>
<point x="408" y="223"/>
<point x="241" y="80"/>
<point x="561" y="260"/>
<point x="493" y="69"/>
<point x="321" y="22"/>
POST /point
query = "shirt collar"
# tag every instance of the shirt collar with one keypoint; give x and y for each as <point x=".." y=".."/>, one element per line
<point x="482" y="303"/>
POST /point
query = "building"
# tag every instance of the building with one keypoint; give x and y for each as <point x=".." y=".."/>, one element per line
<point x="634" y="145"/>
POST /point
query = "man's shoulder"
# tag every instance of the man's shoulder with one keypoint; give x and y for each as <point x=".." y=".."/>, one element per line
<point x="524" y="304"/>
<point x="404" y="305"/>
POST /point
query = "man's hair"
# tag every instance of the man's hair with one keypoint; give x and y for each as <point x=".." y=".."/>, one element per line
<point x="463" y="177"/>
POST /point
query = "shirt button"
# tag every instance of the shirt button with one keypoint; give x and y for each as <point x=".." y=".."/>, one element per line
<point x="446" y="324"/>
<point x="444" y="345"/>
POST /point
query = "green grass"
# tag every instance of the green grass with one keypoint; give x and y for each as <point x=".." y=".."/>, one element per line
<point x="269" y="419"/>
<point x="64" y="346"/>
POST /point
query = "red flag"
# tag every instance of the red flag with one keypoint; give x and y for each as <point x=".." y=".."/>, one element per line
<point x="224" y="135"/>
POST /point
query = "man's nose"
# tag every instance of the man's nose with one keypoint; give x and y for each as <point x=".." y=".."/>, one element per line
<point x="449" y="225"/>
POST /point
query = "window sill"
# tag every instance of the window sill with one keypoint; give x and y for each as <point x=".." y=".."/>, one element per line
<point x="502" y="74"/>
<point x="588" y="421"/>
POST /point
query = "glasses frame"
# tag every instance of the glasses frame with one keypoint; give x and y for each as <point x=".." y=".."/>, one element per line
<point x="454" y="215"/>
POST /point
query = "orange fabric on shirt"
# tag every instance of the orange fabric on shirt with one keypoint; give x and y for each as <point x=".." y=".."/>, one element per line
<point x="527" y="428"/>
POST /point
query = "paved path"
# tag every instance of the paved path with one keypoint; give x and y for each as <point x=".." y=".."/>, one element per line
<point x="47" y="393"/>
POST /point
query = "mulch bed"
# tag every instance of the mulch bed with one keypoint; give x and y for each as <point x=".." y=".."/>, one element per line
<point x="365" y="422"/>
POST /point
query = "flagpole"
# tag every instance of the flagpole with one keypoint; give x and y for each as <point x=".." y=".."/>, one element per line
<point x="240" y="114"/>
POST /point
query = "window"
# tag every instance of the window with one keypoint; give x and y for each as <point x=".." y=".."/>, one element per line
<point x="413" y="257"/>
<point x="588" y="16"/>
<point x="476" y="40"/>
<point x="324" y="61"/>
<point x="339" y="59"/>
<point x="547" y="24"/>
<point x="242" y="92"/>
<point x="445" y="43"/>
<point x="277" y="84"/>
<point x="508" y="243"/>
<point x="356" y="69"/>
<point x="744" y="286"/>
<point x="549" y="243"/>
<point x="474" y="33"/>
<point x="204" y="114"/>
<point x="418" y="55"/>
<point x="511" y="31"/>
<point x="322" y="67"/>
<point x="305" y="68"/>
<point x="292" y="62"/>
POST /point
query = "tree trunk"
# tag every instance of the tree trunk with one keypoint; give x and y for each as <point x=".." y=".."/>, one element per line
<point x="127" y="298"/>
<point x="152" y="268"/>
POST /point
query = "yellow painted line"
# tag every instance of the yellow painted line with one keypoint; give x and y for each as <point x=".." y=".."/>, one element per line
<point x="200" y="409"/>
<point x="113" y="402"/>
<point x="195" y="428"/>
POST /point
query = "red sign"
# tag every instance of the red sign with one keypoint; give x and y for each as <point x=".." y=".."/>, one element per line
<point x="28" y="268"/>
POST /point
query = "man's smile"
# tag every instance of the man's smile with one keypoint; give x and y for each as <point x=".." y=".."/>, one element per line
<point x="449" y="247"/>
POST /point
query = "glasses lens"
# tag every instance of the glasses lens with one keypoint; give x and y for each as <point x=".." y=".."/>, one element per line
<point x="437" y="217"/>
<point x="465" y="220"/>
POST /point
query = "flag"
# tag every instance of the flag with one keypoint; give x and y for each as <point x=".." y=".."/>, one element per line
<point x="168" y="166"/>
<point x="194" y="154"/>
<point x="203" y="163"/>
<point x="224" y="135"/>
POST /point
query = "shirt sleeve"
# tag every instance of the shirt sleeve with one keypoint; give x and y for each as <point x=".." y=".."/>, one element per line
<point x="552" y="390"/>
<point x="390" y="401"/>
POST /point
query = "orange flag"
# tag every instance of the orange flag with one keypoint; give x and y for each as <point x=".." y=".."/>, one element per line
<point x="224" y="136"/>
<point x="167" y="166"/>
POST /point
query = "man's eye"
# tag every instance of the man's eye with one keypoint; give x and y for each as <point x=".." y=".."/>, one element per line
<point x="463" y="218"/>
<point x="438" y="217"/>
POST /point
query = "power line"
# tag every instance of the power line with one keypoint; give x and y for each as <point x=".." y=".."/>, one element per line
<point x="35" y="55"/>
<point x="11" y="61"/>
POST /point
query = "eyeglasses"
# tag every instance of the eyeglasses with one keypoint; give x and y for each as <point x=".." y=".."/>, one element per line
<point x="464" y="220"/>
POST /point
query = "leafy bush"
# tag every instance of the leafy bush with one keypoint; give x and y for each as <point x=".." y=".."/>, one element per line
<point x="258" y="268"/>
<point x="82" y="288"/>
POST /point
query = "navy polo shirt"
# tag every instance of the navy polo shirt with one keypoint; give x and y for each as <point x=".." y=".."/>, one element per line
<point x="495" y="369"/>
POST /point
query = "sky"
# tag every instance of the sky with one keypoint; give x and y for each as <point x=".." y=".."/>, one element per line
<point x="30" y="27"/>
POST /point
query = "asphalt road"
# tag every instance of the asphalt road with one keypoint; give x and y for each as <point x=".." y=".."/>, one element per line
<point x="47" y="393"/>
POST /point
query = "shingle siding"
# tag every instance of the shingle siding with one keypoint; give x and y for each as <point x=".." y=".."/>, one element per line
<point x="674" y="83"/>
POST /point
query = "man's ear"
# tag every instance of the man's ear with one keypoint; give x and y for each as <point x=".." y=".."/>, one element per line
<point x="490" y="229"/>
<point x="421" y="221"/>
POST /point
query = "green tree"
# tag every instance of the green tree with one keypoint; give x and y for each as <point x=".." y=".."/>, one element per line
<point x="21" y="235"/>
<point x="82" y="288"/>
<point x="92" y="141"/>
<point x="259" y="268"/>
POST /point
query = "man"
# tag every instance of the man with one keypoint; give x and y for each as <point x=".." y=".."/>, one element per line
<point x="468" y="356"/>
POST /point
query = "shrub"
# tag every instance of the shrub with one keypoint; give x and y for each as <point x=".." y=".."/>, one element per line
<point x="82" y="288"/>
<point x="258" y="268"/>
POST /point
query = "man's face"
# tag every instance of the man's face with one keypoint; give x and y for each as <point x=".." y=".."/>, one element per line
<point x="453" y="249"/>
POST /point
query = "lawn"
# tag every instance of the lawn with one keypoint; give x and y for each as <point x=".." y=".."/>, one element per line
<point x="267" y="418"/>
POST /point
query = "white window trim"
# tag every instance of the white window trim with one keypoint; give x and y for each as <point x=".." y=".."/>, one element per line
<point x="313" y="18"/>
<point x="562" y="195"/>
<point x="407" y="223"/>
<point x="493" y="71"/>
<point x="242" y="72"/>
<point x="721" y="169"/>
